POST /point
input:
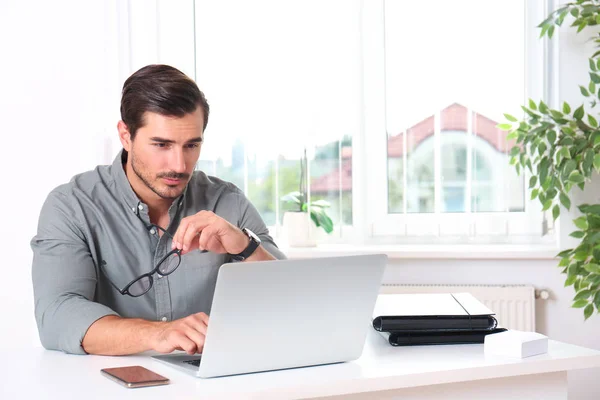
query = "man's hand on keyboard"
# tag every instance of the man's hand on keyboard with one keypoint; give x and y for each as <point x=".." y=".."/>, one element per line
<point x="185" y="334"/>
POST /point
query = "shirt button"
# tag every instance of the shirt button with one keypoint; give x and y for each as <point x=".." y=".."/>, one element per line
<point x="164" y="319"/>
<point x="152" y="231"/>
<point x="141" y="207"/>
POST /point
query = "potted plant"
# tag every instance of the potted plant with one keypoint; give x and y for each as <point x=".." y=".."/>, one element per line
<point x="561" y="149"/>
<point x="296" y="222"/>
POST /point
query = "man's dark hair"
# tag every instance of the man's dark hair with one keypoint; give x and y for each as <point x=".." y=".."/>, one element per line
<point x="160" y="89"/>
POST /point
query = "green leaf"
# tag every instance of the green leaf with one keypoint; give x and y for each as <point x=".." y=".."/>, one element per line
<point x="578" y="114"/>
<point x="543" y="108"/>
<point x="547" y="205"/>
<point x="534" y="194"/>
<point x="588" y="159"/>
<point x="592" y="87"/>
<point x="583" y="294"/>
<point x="543" y="172"/>
<point x="593" y="209"/>
<point x="593" y="65"/>
<point x="542" y="149"/>
<point x="321" y="219"/>
<point x="581" y="223"/>
<point x="565" y="201"/>
<point x="504" y="127"/>
<point x="569" y="167"/>
<point x="532" y="105"/>
<point x="564" y="253"/>
<point x="584" y="92"/>
<point x="532" y="181"/>
<point x="570" y="280"/>
<point x="555" y="212"/>
<point x="551" y="137"/>
<point x="578" y="235"/>
<point x="593" y="238"/>
<point x="589" y="309"/>
<point x="597" y="162"/>
<point x="593" y="268"/>
<point x="593" y="122"/>
<point x="576" y="177"/>
<point x="580" y="304"/>
<point x="575" y="12"/>
<point x="597" y="300"/>
<point x="566" y="108"/>
<point x="551" y="31"/>
<point x="581" y="26"/>
<point x="564" y="262"/>
<point x="595" y="77"/>
<point x="510" y="118"/>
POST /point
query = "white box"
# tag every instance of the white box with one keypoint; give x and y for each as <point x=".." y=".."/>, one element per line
<point x="515" y="344"/>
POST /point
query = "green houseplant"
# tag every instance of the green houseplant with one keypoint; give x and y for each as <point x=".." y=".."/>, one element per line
<point x="561" y="149"/>
<point x="299" y="201"/>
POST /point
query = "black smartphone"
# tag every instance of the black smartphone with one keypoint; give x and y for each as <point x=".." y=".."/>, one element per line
<point x="134" y="376"/>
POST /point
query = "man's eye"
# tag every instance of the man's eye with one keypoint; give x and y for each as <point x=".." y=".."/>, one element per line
<point x="193" y="145"/>
<point x="161" y="145"/>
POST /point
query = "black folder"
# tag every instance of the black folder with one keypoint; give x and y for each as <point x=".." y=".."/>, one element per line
<point x="432" y="338"/>
<point x="431" y="313"/>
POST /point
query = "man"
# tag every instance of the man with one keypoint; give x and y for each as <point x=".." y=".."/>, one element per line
<point x="126" y="256"/>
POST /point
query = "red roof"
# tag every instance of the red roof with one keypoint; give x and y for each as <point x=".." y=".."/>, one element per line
<point x="453" y="118"/>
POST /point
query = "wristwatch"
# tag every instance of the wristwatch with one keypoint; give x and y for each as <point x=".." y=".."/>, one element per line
<point x="252" y="246"/>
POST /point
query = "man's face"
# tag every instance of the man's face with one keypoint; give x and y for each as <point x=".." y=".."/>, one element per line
<point x="165" y="151"/>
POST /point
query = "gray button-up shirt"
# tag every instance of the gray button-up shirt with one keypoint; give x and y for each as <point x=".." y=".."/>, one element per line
<point x="92" y="221"/>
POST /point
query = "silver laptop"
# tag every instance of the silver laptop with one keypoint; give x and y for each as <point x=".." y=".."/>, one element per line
<point x="270" y="315"/>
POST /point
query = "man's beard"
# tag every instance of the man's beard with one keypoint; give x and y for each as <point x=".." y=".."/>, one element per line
<point x="168" y="193"/>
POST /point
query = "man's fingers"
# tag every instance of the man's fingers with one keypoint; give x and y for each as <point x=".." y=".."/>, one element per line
<point x="181" y="228"/>
<point x="197" y="337"/>
<point x="198" y="323"/>
<point x="205" y="237"/>
<point x="182" y="340"/>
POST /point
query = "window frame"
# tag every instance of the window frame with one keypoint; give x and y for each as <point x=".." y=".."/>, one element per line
<point x="379" y="226"/>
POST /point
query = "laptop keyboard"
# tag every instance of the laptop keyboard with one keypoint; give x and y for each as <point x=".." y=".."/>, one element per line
<point x="195" y="363"/>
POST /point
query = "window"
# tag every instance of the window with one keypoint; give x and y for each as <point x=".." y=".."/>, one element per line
<point x="281" y="77"/>
<point x="447" y="80"/>
<point x="395" y="104"/>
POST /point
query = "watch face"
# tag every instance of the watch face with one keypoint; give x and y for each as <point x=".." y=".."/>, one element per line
<point x="252" y="235"/>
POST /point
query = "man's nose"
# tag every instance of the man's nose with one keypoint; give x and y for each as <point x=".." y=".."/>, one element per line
<point x="178" y="161"/>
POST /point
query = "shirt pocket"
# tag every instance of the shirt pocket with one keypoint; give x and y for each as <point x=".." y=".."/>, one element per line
<point x="193" y="284"/>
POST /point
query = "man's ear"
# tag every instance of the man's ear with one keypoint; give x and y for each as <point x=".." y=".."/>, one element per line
<point x="124" y="135"/>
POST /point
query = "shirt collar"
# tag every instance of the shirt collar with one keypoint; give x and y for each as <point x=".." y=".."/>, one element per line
<point x="124" y="187"/>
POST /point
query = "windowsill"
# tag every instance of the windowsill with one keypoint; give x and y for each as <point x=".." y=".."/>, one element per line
<point x="496" y="252"/>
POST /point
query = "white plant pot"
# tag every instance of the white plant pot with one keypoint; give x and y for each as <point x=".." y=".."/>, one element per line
<point x="299" y="229"/>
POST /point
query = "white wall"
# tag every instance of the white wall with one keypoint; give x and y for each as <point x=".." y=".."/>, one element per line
<point x="54" y="79"/>
<point x="60" y="77"/>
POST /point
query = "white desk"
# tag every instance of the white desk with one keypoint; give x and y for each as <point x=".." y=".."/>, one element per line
<point x="424" y="372"/>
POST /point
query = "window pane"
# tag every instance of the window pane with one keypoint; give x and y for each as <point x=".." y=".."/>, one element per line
<point x="275" y="88"/>
<point x="420" y="168"/>
<point x="331" y="179"/>
<point x="453" y="79"/>
<point x="453" y="154"/>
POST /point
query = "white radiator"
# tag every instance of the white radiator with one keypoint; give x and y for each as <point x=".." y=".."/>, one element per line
<point x="514" y="305"/>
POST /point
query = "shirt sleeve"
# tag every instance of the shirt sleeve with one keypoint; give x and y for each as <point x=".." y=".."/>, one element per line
<point x="251" y="219"/>
<point x="64" y="278"/>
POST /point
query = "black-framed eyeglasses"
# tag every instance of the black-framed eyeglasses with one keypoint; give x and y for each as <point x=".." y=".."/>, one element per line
<point x="167" y="265"/>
